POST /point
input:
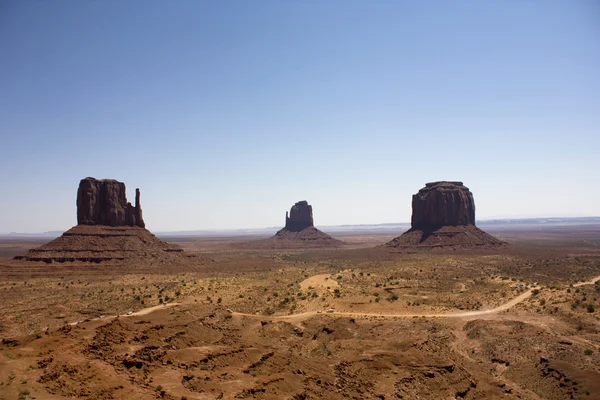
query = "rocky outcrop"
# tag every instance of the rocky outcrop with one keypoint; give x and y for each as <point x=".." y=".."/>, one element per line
<point x="299" y="232"/>
<point x="441" y="204"/>
<point x="444" y="217"/>
<point x="300" y="217"/>
<point x="106" y="244"/>
<point x="108" y="231"/>
<point x="104" y="202"/>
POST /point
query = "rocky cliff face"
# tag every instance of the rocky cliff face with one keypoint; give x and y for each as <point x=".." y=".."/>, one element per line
<point x="104" y="202"/>
<point x="300" y="217"/>
<point x="441" y="204"/>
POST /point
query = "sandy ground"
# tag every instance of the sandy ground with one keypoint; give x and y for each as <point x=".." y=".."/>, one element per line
<point x="422" y="325"/>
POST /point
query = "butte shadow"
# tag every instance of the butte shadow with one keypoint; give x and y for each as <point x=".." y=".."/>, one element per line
<point x="443" y="216"/>
<point x="299" y="232"/>
<point x="108" y="229"/>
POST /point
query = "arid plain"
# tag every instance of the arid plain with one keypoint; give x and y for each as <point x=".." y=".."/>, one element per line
<point x="242" y="323"/>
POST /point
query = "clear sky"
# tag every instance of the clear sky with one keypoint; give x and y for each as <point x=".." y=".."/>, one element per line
<point x="225" y="113"/>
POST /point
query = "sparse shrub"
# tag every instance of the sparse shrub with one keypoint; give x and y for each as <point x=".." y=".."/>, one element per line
<point x="392" y="297"/>
<point x="219" y="300"/>
<point x="588" y="352"/>
<point x="337" y="292"/>
<point x="535" y="292"/>
<point x="590" y="308"/>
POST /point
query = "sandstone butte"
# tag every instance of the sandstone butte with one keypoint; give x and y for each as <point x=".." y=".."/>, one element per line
<point x="299" y="232"/>
<point x="443" y="215"/>
<point x="108" y="229"/>
<point x="104" y="202"/>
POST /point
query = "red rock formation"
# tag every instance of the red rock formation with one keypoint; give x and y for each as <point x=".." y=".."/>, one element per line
<point x="442" y="204"/>
<point x="299" y="232"/>
<point x="104" y="202"/>
<point x="300" y="217"/>
<point x="138" y="210"/>
<point x="444" y="216"/>
<point x="108" y="230"/>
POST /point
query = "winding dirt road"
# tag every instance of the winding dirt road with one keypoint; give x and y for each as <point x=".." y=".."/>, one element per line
<point x="309" y="314"/>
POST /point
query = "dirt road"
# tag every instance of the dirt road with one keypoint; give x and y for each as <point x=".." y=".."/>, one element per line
<point x="306" y="315"/>
<point x="309" y="314"/>
<point x="590" y="282"/>
<point x="143" y="311"/>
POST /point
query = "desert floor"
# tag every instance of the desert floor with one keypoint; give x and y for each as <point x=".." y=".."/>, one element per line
<point x="358" y="322"/>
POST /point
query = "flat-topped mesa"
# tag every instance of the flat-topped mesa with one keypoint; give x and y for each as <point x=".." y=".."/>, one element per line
<point x="104" y="202"/>
<point x="444" y="217"/>
<point x="441" y="204"/>
<point x="300" y="217"/>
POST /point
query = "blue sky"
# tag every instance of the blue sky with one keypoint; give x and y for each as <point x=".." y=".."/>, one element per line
<point x="225" y="113"/>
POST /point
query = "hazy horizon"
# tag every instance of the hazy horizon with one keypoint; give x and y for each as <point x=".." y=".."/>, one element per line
<point x="225" y="114"/>
<point x="265" y="228"/>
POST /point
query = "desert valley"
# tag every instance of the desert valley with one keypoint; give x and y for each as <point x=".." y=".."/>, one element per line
<point x="443" y="311"/>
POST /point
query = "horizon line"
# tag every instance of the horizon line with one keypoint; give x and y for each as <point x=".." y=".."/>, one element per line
<point x="489" y="219"/>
